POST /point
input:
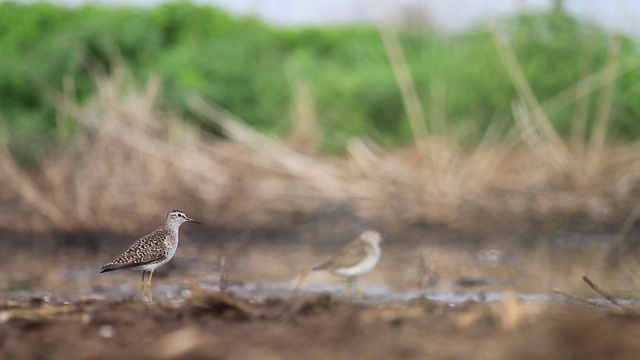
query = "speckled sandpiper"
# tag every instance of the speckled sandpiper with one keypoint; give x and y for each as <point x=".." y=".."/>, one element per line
<point x="152" y="250"/>
<point x="355" y="259"/>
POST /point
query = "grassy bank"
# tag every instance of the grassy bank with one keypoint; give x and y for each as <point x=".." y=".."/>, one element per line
<point x="338" y="78"/>
<point x="128" y="160"/>
<point x="128" y="112"/>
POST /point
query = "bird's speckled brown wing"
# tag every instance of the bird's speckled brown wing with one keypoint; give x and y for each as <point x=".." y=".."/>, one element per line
<point x="146" y="250"/>
<point x="350" y="255"/>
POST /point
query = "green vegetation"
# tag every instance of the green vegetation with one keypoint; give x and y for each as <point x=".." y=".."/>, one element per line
<point x="252" y="69"/>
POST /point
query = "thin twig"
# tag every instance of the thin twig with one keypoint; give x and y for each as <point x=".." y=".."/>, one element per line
<point x="224" y="275"/>
<point x="577" y="299"/>
<point x="603" y="293"/>
<point x="618" y="248"/>
<point x="295" y="303"/>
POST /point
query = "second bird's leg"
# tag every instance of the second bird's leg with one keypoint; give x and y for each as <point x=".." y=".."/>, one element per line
<point x="358" y="291"/>
<point x="149" y="287"/>
<point x="142" y="287"/>
<point x="349" y="286"/>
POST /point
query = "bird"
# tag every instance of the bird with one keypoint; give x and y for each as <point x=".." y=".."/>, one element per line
<point x="152" y="250"/>
<point x="355" y="259"/>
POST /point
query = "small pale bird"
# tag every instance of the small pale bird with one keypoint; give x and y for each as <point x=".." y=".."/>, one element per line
<point x="152" y="250"/>
<point x="355" y="259"/>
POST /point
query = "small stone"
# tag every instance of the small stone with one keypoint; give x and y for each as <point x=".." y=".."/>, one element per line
<point x="106" y="331"/>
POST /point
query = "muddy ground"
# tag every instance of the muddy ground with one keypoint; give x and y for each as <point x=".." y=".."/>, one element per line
<point x="436" y="294"/>
<point x="317" y="327"/>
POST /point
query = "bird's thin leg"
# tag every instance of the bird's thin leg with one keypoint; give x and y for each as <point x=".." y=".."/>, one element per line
<point x="358" y="291"/>
<point x="349" y="287"/>
<point x="142" y="287"/>
<point x="149" y="286"/>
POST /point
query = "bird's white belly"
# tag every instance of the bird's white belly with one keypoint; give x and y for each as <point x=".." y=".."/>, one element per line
<point x="359" y="269"/>
<point x="155" y="265"/>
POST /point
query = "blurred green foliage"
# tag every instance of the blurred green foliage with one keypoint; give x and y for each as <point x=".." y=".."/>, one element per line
<point x="251" y="69"/>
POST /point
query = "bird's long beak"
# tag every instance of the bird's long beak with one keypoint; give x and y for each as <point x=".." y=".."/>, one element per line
<point x="194" y="221"/>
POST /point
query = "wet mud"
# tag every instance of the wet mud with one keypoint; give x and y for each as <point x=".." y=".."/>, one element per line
<point x="450" y="297"/>
<point x="216" y="326"/>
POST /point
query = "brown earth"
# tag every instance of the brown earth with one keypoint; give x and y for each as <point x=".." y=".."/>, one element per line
<point x="511" y="206"/>
<point x="215" y="326"/>
<point x="55" y="305"/>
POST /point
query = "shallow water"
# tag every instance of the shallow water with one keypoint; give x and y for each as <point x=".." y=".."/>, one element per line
<point x="262" y="291"/>
<point x="450" y="271"/>
<point x="452" y="298"/>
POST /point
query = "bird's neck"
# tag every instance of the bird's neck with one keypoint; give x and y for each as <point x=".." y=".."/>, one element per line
<point x="174" y="230"/>
<point x="375" y="249"/>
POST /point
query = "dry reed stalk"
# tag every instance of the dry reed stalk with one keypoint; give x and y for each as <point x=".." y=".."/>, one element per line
<point x="434" y="170"/>
<point x="306" y="134"/>
<point x="324" y="177"/>
<point x="599" y="134"/>
<point x="586" y="159"/>
<point x="191" y="162"/>
<point x="31" y="193"/>
<point x="96" y="174"/>
<point x="582" y="100"/>
<point x="477" y="169"/>
<point x="377" y="166"/>
<point x="121" y="153"/>
<point x="620" y="246"/>
<point x="91" y="158"/>
<point x="628" y="178"/>
<point x="590" y="84"/>
<point x="530" y="116"/>
<point x="407" y="90"/>
<point x="437" y="176"/>
<point x="450" y="176"/>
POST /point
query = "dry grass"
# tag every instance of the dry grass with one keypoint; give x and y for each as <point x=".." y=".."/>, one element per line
<point x="127" y="159"/>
